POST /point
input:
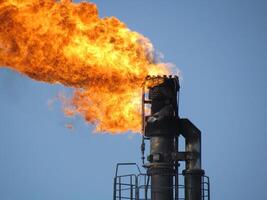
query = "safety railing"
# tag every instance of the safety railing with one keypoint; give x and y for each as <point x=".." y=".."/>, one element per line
<point x="138" y="187"/>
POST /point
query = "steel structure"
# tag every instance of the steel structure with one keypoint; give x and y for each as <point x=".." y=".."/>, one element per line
<point x="162" y="127"/>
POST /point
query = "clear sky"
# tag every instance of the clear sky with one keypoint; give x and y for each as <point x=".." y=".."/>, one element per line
<point x="220" y="48"/>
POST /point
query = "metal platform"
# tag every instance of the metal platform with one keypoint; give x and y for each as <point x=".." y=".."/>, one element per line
<point x="137" y="186"/>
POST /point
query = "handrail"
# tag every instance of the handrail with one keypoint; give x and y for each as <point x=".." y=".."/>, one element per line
<point x="138" y="186"/>
<point x="125" y="164"/>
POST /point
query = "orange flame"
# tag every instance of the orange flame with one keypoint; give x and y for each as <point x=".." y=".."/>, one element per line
<point x="67" y="43"/>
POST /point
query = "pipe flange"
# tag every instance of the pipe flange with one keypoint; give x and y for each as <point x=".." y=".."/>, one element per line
<point x="160" y="169"/>
<point x="198" y="172"/>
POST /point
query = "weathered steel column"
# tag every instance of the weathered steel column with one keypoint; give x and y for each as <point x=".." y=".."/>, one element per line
<point x="193" y="173"/>
<point x="162" y="129"/>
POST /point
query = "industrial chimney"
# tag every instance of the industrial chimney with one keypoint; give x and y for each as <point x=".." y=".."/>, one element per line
<point x="162" y="127"/>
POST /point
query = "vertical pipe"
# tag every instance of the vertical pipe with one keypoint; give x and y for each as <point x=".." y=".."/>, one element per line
<point x="193" y="173"/>
<point x="162" y="171"/>
<point x="161" y="128"/>
<point x="193" y="184"/>
<point x="176" y="166"/>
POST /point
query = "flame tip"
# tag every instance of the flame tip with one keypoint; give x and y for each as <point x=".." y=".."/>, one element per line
<point x="101" y="58"/>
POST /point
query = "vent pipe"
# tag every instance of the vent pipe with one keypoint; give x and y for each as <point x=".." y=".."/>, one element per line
<point x="161" y="127"/>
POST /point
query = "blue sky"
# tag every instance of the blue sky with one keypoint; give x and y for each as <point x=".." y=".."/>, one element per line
<point x="220" y="48"/>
